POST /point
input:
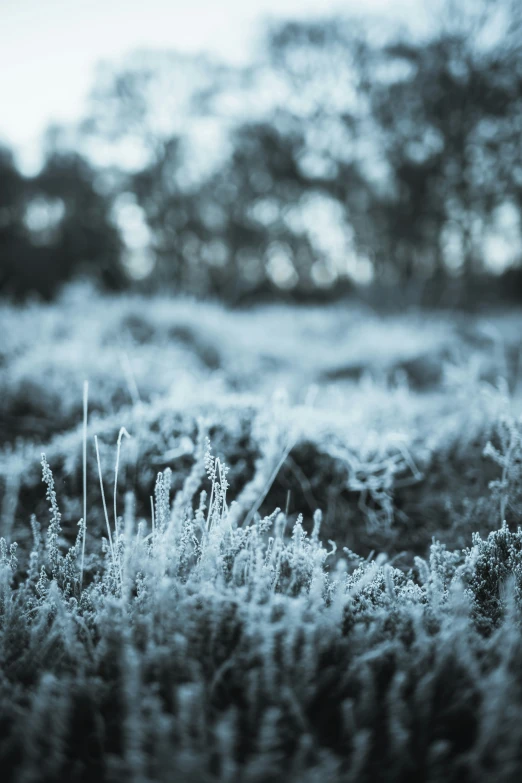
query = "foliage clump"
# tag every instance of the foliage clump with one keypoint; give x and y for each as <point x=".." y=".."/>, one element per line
<point x="208" y="650"/>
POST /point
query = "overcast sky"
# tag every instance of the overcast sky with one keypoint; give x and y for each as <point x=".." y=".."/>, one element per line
<point x="48" y="48"/>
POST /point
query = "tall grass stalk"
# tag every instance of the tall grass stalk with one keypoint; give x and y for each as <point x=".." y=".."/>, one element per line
<point x="84" y="455"/>
<point x="103" y="500"/>
<point x="123" y="432"/>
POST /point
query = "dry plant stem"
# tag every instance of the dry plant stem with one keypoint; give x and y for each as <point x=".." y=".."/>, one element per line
<point x="85" y="418"/>
<point x="103" y="500"/>
<point x="123" y="432"/>
<point x="251" y="514"/>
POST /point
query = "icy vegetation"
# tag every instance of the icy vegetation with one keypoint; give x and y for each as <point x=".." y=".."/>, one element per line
<point x="263" y="545"/>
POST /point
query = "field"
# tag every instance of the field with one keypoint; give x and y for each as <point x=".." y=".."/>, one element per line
<point x="299" y="559"/>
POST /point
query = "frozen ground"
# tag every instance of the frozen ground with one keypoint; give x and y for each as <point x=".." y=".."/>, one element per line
<point x="380" y="421"/>
<point x="210" y="637"/>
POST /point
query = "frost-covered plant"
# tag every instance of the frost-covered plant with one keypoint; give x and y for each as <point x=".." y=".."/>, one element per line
<point x="507" y="489"/>
<point x="373" y="471"/>
<point x="211" y="650"/>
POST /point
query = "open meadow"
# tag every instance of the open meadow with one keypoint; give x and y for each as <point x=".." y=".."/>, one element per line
<point x="276" y="543"/>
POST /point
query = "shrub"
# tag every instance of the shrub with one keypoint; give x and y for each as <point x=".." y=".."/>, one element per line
<point x="207" y="651"/>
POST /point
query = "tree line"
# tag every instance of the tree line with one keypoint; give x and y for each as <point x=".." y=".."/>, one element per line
<point x="340" y="156"/>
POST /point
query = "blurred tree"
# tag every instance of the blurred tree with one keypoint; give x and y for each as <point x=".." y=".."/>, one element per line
<point x="53" y="227"/>
<point x="219" y="237"/>
<point x="14" y="244"/>
<point x="340" y="155"/>
<point x="441" y="126"/>
<point x="229" y="225"/>
<point x="86" y="241"/>
<point x="434" y="127"/>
